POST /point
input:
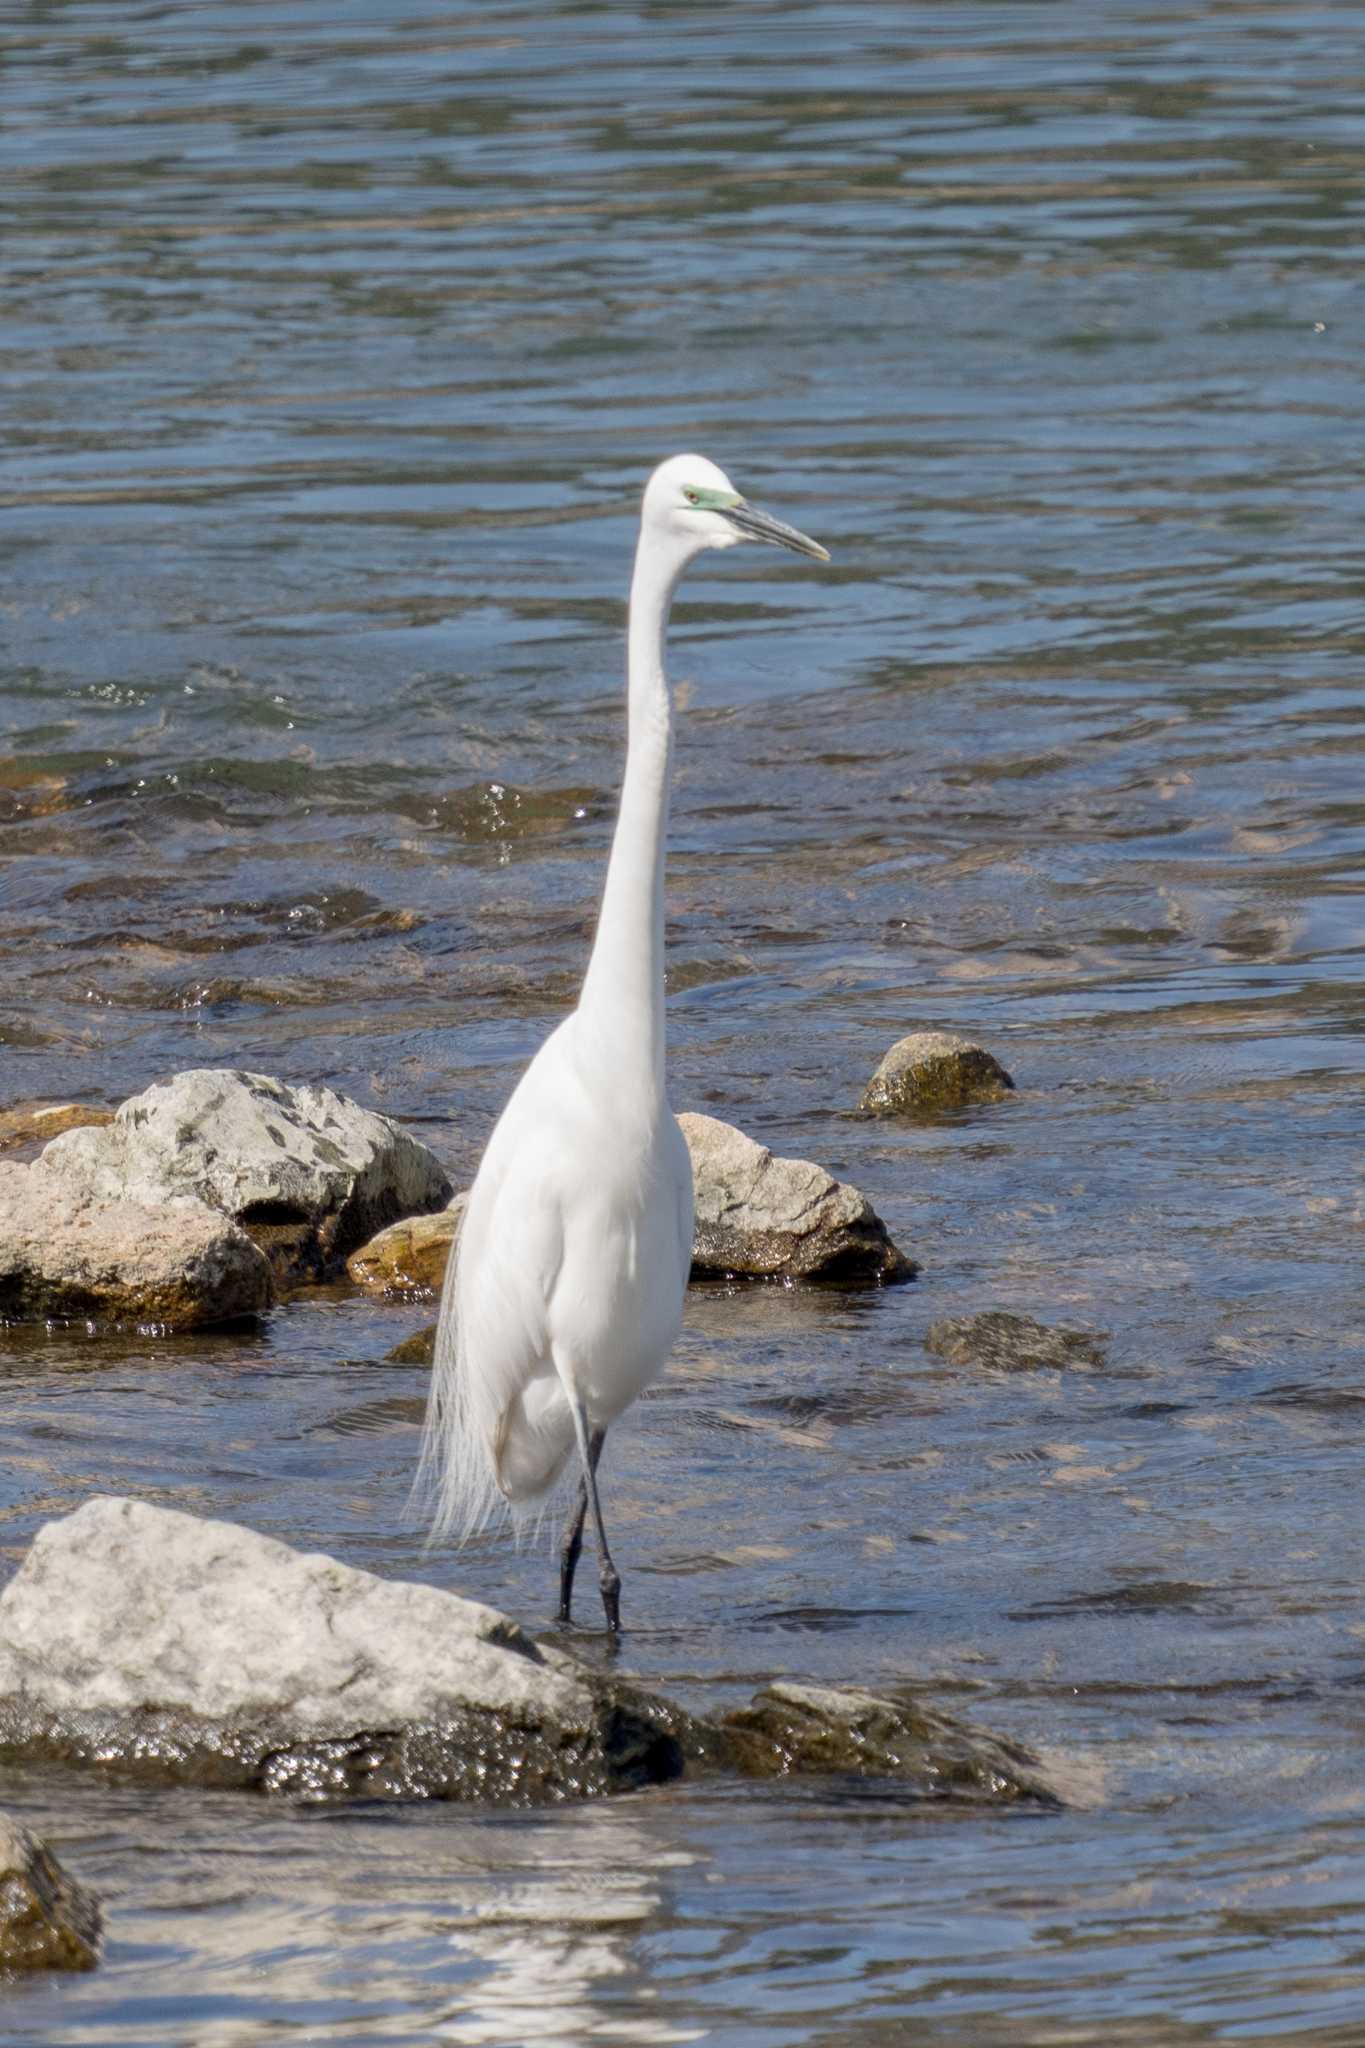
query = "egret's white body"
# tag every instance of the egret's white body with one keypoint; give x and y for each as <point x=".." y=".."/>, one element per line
<point x="572" y="1263"/>
<point x="566" y="1291"/>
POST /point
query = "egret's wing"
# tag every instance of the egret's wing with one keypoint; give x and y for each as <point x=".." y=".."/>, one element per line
<point x="491" y="1338"/>
<point x="511" y="1250"/>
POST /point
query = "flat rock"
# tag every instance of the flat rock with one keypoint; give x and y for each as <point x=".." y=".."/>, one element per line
<point x="933" y="1071"/>
<point x="154" y="1644"/>
<point x="38" y="1122"/>
<point x="307" y="1173"/>
<point x="408" y="1260"/>
<point x="1011" y="1343"/>
<point x="47" y="1920"/>
<point x="774" y="1217"/>
<point x="65" y="1256"/>
<point x="789" y="1729"/>
<point x="149" y="1644"/>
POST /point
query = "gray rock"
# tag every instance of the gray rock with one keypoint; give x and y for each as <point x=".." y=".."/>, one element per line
<point x="65" y="1256"/>
<point x="47" y="1920"/>
<point x="148" y="1643"/>
<point x="155" y="1644"/>
<point x="754" y="1215"/>
<point x="789" y="1729"/>
<point x="780" y="1217"/>
<point x="1010" y="1343"/>
<point x="933" y="1071"/>
<point x="408" y="1260"/>
<point x="308" y="1174"/>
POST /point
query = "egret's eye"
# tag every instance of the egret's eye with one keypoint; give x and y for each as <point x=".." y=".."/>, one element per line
<point x="692" y="497"/>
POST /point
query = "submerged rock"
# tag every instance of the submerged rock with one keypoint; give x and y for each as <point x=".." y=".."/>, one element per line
<point x="933" y="1071"/>
<point x="47" y="1920"/>
<point x="409" y="1258"/>
<point x="155" y="1644"/>
<point x="308" y="1174"/>
<point x="36" y="1124"/>
<point x="1010" y="1343"/>
<point x="789" y="1729"/>
<point x="418" y="1349"/>
<point x="780" y="1217"/>
<point x="67" y="1257"/>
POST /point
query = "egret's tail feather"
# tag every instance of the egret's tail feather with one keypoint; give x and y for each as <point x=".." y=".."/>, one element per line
<point x="455" y="1484"/>
<point x="493" y="1438"/>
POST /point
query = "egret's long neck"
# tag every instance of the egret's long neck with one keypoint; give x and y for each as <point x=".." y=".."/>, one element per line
<point x="623" y="991"/>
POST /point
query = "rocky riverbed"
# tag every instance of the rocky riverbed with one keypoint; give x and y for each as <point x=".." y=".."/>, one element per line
<point x="212" y="1193"/>
<point x="154" y="1646"/>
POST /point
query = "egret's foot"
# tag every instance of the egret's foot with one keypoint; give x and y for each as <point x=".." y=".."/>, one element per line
<point x="609" y="1579"/>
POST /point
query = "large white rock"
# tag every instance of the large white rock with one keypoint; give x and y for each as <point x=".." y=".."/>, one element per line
<point x="148" y="1640"/>
<point x="68" y="1257"/>
<point x="277" y="1159"/>
<point x="780" y="1217"/>
<point x="141" y="1641"/>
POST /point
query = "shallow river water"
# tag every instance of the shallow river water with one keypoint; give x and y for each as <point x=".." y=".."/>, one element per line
<point x="335" y="342"/>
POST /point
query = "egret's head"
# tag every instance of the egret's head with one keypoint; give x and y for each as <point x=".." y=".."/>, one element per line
<point x="694" y="505"/>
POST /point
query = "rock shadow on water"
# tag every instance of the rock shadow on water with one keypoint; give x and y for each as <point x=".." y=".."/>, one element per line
<point x="1002" y="1341"/>
<point x="825" y="1620"/>
<point x="1139" y="1597"/>
<point x="1341" y="1405"/>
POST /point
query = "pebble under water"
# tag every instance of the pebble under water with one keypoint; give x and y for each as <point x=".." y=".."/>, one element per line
<point x="335" y="344"/>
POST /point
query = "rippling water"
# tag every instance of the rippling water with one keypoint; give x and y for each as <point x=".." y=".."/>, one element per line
<point x="334" y="345"/>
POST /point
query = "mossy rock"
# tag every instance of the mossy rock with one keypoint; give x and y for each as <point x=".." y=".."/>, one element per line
<point x="407" y="1261"/>
<point x="788" y="1730"/>
<point x="931" y="1072"/>
<point x="418" y="1349"/>
<point x="47" y="1920"/>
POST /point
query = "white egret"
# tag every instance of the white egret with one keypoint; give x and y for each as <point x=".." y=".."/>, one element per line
<point x="566" y="1291"/>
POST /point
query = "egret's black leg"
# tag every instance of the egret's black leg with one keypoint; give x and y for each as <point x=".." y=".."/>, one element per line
<point x="570" y="1550"/>
<point x="571" y="1547"/>
<point x="608" y="1578"/>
